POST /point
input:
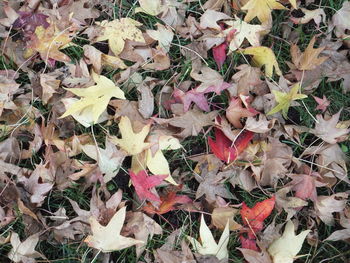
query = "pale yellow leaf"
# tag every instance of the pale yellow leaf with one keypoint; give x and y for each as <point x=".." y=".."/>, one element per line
<point x="94" y="100"/>
<point x="264" y="56"/>
<point x="285" y="248"/>
<point x="119" y="30"/>
<point x="108" y="238"/>
<point x="131" y="142"/>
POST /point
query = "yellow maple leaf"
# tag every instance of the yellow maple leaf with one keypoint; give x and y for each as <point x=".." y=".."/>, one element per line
<point x="108" y="238"/>
<point x="48" y="42"/>
<point x="151" y="7"/>
<point x="293" y="3"/>
<point x="264" y="56"/>
<point x="94" y="99"/>
<point x="131" y="142"/>
<point x="119" y="30"/>
<point x="284" y="100"/>
<point x="308" y="60"/>
<point x="208" y="245"/>
<point x="156" y="163"/>
<point x="243" y="31"/>
<point x="261" y="9"/>
<point x="285" y="248"/>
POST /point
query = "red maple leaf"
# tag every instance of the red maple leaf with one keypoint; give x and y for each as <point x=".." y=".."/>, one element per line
<point x="248" y="243"/>
<point x="143" y="183"/>
<point x="168" y="203"/>
<point x="254" y="217"/>
<point x="219" y="54"/>
<point x="225" y="149"/>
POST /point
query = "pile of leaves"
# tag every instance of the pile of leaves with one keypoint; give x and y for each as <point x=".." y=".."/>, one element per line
<point x="174" y="131"/>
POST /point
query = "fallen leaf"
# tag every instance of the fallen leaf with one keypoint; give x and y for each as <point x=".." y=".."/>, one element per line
<point x="190" y="96"/>
<point x="118" y="31"/>
<point x="253" y="256"/>
<point x="221" y="215"/>
<point x="285" y="100"/>
<point x="211" y="184"/>
<point x="264" y="56"/>
<point x="236" y="111"/>
<point x="210" y="18"/>
<point x="24" y="251"/>
<point x="131" y="142"/>
<point x="151" y="7"/>
<point x="318" y="15"/>
<point x="288" y="245"/>
<point x="47" y="42"/>
<point x="308" y="60"/>
<point x="168" y="203"/>
<point x="108" y="238"/>
<point x="208" y="245"/>
<point x="192" y="122"/>
<point x="325" y="206"/>
<point x="322" y="104"/>
<point x="109" y="160"/>
<point x="225" y="149"/>
<point x="94" y="99"/>
<point x="143" y="228"/>
<point x="143" y="183"/>
<point x="261" y="9"/>
<point x="342" y="234"/>
<point x="254" y="217"/>
<point x="219" y="54"/>
<point x="327" y="130"/>
<point x="340" y="20"/>
<point x="243" y="30"/>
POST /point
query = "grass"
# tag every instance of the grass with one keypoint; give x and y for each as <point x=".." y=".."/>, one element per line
<point x="74" y="252"/>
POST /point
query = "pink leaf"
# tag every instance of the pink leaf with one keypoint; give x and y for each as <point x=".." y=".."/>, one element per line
<point x="143" y="183"/>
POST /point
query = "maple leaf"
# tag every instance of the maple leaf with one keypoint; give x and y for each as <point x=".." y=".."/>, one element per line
<point x="235" y="111"/>
<point x="285" y="248"/>
<point x="143" y="183"/>
<point x="309" y="59"/>
<point x="219" y="54"/>
<point x="118" y="31"/>
<point x="243" y="31"/>
<point x="261" y="9"/>
<point x="264" y="56"/>
<point x="285" y="100"/>
<point x="208" y="245"/>
<point x="220" y="215"/>
<point x="211" y="185"/>
<point x="151" y="7"/>
<point x="94" y="99"/>
<point x="109" y="160"/>
<point x="24" y="251"/>
<point x="305" y="185"/>
<point x="48" y="41"/>
<point x="322" y="104"/>
<point x="168" y="203"/>
<point x="325" y="206"/>
<point x="190" y="96"/>
<point x="131" y="142"/>
<point x="33" y="186"/>
<point x="192" y="122"/>
<point x="340" y="20"/>
<point x="342" y="234"/>
<point x="254" y="217"/>
<point x="108" y="238"/>
<point x="29" y="21"/>
<point x="253" y="256"/>
<point x="225" y="149"/>
<point x="327" y="129"/>
<point x="143" y="228"/>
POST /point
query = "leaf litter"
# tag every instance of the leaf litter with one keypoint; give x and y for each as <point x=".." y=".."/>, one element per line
<point x="134" y="127"/>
